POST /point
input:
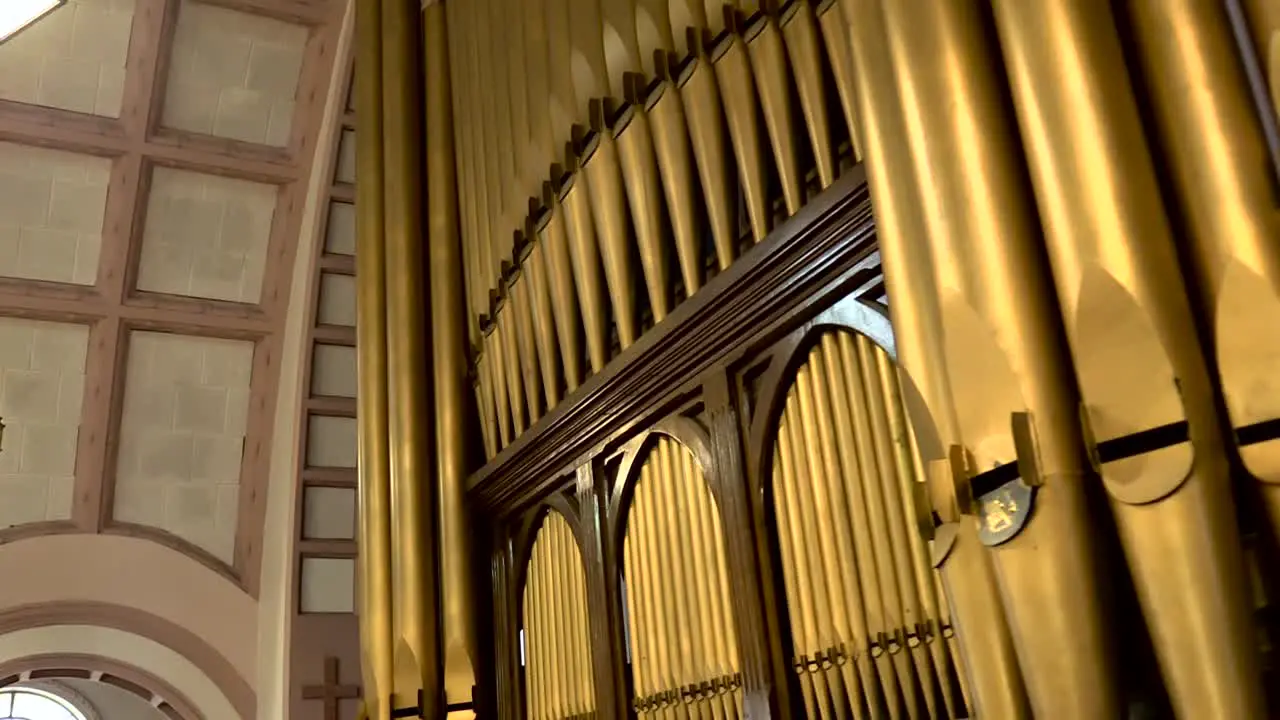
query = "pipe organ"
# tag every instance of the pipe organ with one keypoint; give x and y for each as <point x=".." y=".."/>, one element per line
<point x="554" y="647"/>
<point x="833" y="359"/>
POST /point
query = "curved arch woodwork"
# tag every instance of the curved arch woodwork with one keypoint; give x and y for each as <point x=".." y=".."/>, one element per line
<point x="680" y="628"/>
<point x="867" y="625"/>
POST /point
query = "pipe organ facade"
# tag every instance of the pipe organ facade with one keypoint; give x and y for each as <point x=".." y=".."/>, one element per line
<point x="829" y="359"/>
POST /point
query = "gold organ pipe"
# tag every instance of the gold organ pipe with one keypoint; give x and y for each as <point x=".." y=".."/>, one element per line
<point x="522" y="320"/>
<point x="838" y="496"/>
<point x="375" y="582"/>
<point x="563" y="693"/>
<point x="656" y="604"/>
<point x="498" y="357"/>
<point x="602" y="171"/>
<point x="510" y="205"/>
<point x="866" y="384"/>
<point x="844" y="376"/>
<point x="800" y="31"/>
<point x="990" y="277"/>
<point x="1214" y="145"/>
<point x="1118" y="279"/>
<point x="635" y="610"/>
<point x="738" y="90"/>
<point x="840" y="62"/>
<point x="554" y="243"/>
<point x="635" y="141"/>
<point x="579" y="656"/>
<point x="584" y="255"/>
<point x="675" y="161"/>
<point x="700" y="93"/>
<point x="449" y="355"/>
<point x="490" y="171"/>
<point x="728" y="640"/>
<point x="544" y="322"/>
<point x="484" y="383"/>
<point x="482" y="410"/>
<point x="769" y="64"/>
<point x="990" y="666"/>
<point x="586" y="675"/>
<point x="413" y="558"/>
<point x="644" y="192"/>
<point x="507" y="336"/>
<point x="902" y="460"/>
<point x="694" y="580"/>
<point x="804" y="639"/>
<point x="669" y="624"/>
<point x="533" y="635"/>
<point x="463" y="170"/>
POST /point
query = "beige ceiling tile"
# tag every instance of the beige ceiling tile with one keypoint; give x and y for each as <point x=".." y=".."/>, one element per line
<point x="346" y="169"/>
<point x="331" y="442"/>
<point x="329" y="513"/>
<point x="206" y="236"/>
<point x="41" y="415"/>
<point x="337" y="300"/>
<point x="340" y="237"/>
<point x="52" y="204"/>
<point x="328" y="585"/>
<point x="333" y="371"/>
<point x="72" y="59"/>
<point x="234" y="75"/>
<point x="177" y="439"/>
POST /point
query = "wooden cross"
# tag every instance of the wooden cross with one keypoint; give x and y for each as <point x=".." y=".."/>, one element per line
<point x="332" y="692"/>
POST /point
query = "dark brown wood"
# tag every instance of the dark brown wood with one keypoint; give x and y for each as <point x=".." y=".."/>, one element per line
<point x="332" y="692"/>
<point x="822" y="242"/>
<point x="685" y="378"/>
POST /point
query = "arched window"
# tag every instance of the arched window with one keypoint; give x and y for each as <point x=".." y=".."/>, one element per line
<point x="33" y="704"/>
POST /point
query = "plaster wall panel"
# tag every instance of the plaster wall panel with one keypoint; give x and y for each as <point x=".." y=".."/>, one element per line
<point x="337" y="300"/>
<point x="331" y="442"/>
<point x="346" y="166"/>
<point x="51" y="213"/>
<point x="41" y="391"/>
<point x="182" y="432"/>
<point x="233" y="75"/>
<point x="329" y="513"/>
<point x="328" y="585"/>
<point x="206" y="236"/>
<point x="333" y="371"/>
<point x="73" y="59"/>
<point x="340" y="237"/>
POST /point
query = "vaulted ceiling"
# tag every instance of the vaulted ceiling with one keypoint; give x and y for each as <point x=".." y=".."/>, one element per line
<point x="157" y="191"/>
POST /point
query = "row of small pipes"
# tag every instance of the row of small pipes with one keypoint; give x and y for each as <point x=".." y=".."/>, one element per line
<point x="680" y="628"/>
<point x="557" y="652"/>
<point x="670" y="96"/>
<point x="858" y="579"/>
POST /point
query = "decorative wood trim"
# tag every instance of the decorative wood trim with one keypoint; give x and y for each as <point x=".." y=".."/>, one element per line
<point x="829" y="241"/>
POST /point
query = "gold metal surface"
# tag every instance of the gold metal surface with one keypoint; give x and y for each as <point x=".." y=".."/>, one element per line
<point x="521" y="304"/>
<point x="840" y="63"/>
<point x="413" y="550"/>
<point x="557" y="653"/>
<point x="535" y="270"/>
<point x="374" y="519"/>
<point x="602" y="172"/>
<point x="700" y="92"/>
<point x="804" y="48"/>
<point x="1264" y="23"/>
<point x="554" y="244"/>
<point x="644" y="192"/>
<point x="675" y="161"/>
<point x="506" y="333"/>
<point x="772" y="79"/>
<point x="498" y="357"/>
<point x="1212" y="141"/>
<point x="992" y="675"/>
<point x="738" y="93"/>
<point x="1136" y="347"/>
<point x="448" y="360"/>
<point x="675" y="594"/>
<point x="1004" y="346"/>
<point x="584" y="255"/>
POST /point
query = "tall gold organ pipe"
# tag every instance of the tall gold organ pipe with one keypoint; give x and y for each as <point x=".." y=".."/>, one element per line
<point x="554" y="243"/>
<point x="506" y="333"/>
<point x="544" y="322"/>
<point x="1118" y="281"/>
<point x="522" y="321"/>
<point x="738" y="90"/>
<point x="1213" y="142"/>
<point x="634" y="136"/>
<point x="700" y="92"/>
<point x="675" y="161"/>
<point x="990" y="663"/>
<point x="533" y="632"/>
<point x="800" y="31"/>
<point x="375" y="585"/>
<point x="584" y="255"/>
<point x="840" y="61"/>
<point x="449" y="353"/>
<point x="497" y="363"/>
<point x="769" y="65"/>
<point x="413" y="557"/>
<point x="602" y="171"/>
<point x="1264" y="23"/>
<point x="999" y="306"/>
